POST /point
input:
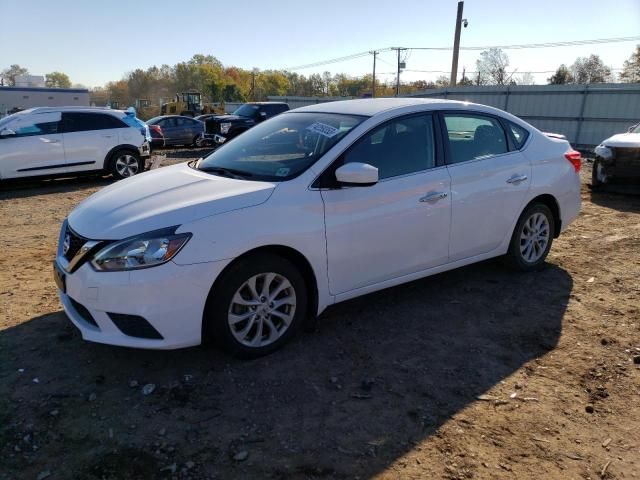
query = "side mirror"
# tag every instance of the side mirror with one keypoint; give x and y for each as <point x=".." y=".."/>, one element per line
<point x="7" y="133"/>
<point x="357" y="174"/>
<point x="262" y="116"/>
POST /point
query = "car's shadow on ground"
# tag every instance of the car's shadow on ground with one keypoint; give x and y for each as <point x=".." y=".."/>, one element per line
<point x="33" y="187"/>
<point x="380" y="374"/>
<point x="625" y="198"/>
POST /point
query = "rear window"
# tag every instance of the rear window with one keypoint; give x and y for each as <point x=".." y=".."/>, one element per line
<point x="519" y="133"/>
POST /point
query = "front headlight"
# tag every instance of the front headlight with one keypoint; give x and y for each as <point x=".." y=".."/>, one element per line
<point x="224" y="127"/>
<point x="141" y="251"/>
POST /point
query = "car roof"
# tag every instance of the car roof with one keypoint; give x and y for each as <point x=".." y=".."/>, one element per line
<point x="75" y="109"/>
<point x="373" y="106"/>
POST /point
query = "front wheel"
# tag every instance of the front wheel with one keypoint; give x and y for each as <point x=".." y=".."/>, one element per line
<point x="598" y="177"/>
<point x="125" y="163"/>
<point x="256" y="306"/>
<point x="532" y="238"/>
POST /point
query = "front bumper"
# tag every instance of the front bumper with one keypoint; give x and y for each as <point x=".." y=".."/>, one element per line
<point x="619" y="163"/>
<point x="170" y="297"/>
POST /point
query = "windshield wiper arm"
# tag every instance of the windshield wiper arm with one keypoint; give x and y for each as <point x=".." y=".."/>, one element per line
<point x="228" y="172"/>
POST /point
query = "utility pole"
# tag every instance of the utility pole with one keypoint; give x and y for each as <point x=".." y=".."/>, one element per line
<point x="373" y="81"/>
<point x="456" y="45"/>
<point x="253" y="84"/>
<point x="400" y="65"/>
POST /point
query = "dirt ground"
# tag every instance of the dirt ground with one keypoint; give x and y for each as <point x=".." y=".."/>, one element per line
<point x="475" y="373"/>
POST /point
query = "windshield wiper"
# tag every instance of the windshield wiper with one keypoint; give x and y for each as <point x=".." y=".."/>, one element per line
<point x="226" y="172"/>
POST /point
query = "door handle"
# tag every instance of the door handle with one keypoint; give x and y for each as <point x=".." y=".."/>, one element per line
<point x="516" y="179"/>
<point x="434" y="196"/>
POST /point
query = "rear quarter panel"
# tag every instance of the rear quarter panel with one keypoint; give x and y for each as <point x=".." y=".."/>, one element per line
<point x="553" y="174"/>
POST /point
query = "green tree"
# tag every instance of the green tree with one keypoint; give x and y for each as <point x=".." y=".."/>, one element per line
<point x="561" y="77"/>
<point x="631" y="68"/>
<point x="57" y="80"/>
<point x="12" y="72"/>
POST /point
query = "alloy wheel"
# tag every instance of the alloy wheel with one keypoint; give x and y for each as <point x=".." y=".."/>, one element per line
<point x="262" y="309"/>
<point x="127" y="165"/>
<point x="534" y="237"/>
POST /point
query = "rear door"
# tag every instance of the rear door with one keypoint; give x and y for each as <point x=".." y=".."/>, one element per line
<point x="489" y="182"/>
<point x="88" y="139"/>
<point x="37" y="147"/>
<point x="170" y="130"/>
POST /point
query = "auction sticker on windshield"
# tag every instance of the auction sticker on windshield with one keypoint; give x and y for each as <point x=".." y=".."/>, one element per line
<point x="323" y="129"/>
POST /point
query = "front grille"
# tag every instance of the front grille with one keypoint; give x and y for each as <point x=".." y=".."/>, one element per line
<point x="75" y="243"/>
<point x="83" y="312"/>
<point x="212" y="127"/>
<point x="627" y="154"/>
<point x="134" y="326"/>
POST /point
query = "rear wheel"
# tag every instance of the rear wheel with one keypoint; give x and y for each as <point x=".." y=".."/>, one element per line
<point x="125" y="163"/>
<point x="532" y="238"/>
<point x="257" y="306"/>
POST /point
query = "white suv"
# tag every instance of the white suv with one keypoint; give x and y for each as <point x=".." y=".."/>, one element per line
<point x="61" y="140"/>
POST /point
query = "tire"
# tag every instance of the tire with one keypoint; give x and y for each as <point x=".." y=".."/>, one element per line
<point x="125" y="163"/>
<point x="198" y="141"/>
<point x="596" y="181"/>
<point x="234" y="325"/>
<point x="535" y="218"/>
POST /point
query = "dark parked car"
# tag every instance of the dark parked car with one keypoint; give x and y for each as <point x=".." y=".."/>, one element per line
<point x="242" y="119"/>
<point x="175" y="130"/>
<point x="618" y="159"/>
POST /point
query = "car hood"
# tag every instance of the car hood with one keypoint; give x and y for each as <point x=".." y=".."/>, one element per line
<point x="228" y="118"/>
<point x="628" y="140"/>
<point x="162" y="198"/>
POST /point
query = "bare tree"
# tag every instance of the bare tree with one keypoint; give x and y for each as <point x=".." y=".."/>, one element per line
<point x="590" y="70"/>
<point x="492" y="67"/>
<point x="526" y="79"/>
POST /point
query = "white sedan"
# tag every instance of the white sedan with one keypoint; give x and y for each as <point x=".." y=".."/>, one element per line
<point x="315" y="206"/>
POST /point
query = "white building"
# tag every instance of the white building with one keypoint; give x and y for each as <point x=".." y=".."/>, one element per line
<point x="29" y="81"/>
<point x="13" y="99"/>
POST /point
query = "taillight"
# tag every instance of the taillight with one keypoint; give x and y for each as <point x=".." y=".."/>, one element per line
<point x="575" y="158"/>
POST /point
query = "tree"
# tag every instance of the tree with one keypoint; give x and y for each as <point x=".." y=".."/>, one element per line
<point x="442" y="81"/>
<point x="12" y="72"/>
<point x="526" y="79"/>
<point x="590" y="70"/>
<point x="561" y="77"/>
<point x="631" y="68"/>
<point x="492" y="67"/>
<point x="57" y="80"/>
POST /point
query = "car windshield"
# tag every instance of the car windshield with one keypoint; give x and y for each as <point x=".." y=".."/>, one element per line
<point x="246" y="110"/>
<point x="9" y="118"/>
<point x="281" y="148"/>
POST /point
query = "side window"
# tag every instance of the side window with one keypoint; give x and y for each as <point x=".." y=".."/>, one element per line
<point x="86" y="122"/>
<point x="167" y="123"/>
<point x="180" y="122"/>
<point x="474" y="136"/>
<point x="519" y="133"/>
<point x="398" y="147"/>
<point x="37" y="124"/>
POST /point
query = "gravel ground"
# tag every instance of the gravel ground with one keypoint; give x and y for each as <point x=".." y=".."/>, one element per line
<point x="474" y="373"/>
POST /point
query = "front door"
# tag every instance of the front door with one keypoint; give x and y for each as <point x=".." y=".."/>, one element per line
<point x="398" y="226"/>
<point x="489" y="183"/>
<point x="35" y="148"/>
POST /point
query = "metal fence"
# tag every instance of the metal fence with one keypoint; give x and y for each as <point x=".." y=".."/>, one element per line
<point x="586" y="114"/>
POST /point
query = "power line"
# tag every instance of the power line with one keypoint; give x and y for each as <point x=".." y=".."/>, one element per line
<point x="471" y="48"/>
<point x="539" y="45"/>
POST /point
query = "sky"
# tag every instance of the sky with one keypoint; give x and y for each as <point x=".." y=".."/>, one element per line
<point x="96" y="42"/>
